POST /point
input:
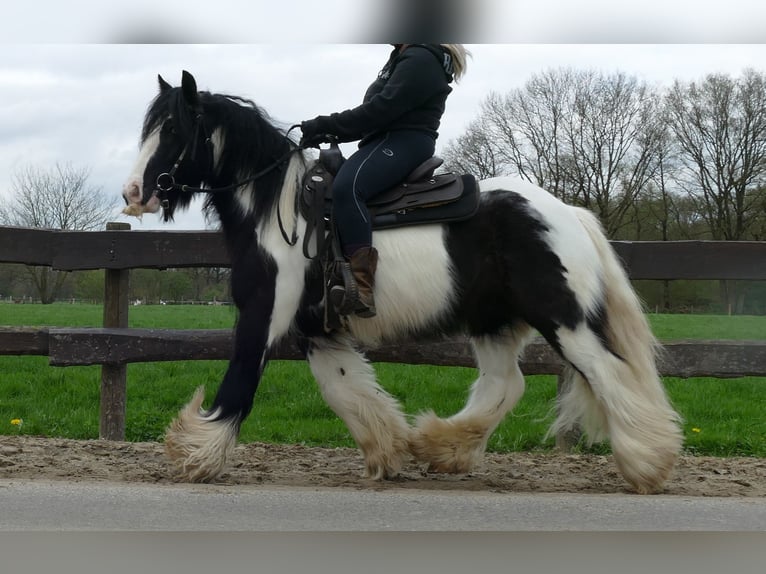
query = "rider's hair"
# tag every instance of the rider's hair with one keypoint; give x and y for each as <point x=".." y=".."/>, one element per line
<point x="459" y="58"/>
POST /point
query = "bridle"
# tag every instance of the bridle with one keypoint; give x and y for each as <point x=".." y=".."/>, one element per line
<point x="166" y="182"/>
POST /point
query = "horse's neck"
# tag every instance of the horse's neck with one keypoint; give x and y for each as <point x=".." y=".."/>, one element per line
<point x="291" y="185"/>
<point x="275" y="235"/>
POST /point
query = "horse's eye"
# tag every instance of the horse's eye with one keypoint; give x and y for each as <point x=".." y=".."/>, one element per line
<point x="169" y="127"/>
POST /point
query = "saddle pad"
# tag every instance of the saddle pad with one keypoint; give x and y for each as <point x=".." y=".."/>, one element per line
<point x="463" y="208"/>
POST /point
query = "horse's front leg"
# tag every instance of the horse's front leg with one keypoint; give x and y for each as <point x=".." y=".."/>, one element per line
<point x="374" y="418"/>
<point x="200" y="442"/>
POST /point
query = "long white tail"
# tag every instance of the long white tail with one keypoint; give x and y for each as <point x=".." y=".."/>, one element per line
<point x="618" y="392"/>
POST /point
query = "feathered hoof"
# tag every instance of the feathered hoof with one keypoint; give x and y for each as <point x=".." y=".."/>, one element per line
<point x="197" y="445"/>
<point x="385" y="461"/>
<point x="647" y="475"/>
<point x="454" y="447"/>
<point x="647" y="463"/>
<point x="377" y="468"/>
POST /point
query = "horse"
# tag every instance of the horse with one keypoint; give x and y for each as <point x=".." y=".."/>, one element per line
<point x="524" y="262"/>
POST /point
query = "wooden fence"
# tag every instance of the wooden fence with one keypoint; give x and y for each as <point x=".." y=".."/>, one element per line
<point x="118" y="249"/>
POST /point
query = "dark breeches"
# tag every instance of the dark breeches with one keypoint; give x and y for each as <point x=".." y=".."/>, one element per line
<point x="375" y="167"/>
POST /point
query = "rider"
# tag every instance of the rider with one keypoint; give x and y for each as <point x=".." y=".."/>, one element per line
<point x="397" y="124"/>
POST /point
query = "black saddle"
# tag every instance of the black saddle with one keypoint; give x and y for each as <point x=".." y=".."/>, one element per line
<point x="424" y="197"/>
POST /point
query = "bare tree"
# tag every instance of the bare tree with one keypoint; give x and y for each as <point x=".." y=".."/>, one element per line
<point x="57" y="198"/>
<point x="720" y="126"/>
<point x="527" y="126"/>
<point x="613" y="140"/>
<point x="516" y="133"/>
<point x="759" y="229"/>
<point x="587" y="137"/>
<point x="474" y="152"/>
<point x="667" y="216"/>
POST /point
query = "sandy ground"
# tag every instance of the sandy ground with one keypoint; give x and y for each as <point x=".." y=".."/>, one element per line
<point x="24" y="457"/>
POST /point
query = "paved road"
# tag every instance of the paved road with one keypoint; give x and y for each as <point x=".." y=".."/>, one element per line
<point x="38" y="505"/>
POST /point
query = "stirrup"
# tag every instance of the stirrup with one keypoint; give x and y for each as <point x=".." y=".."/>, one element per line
<point x="344" y="297"/>
<point x="342" y="291"/>
<point x="342" y="304"/>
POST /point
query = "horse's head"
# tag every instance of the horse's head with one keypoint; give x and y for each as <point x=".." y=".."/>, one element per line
<point x="176" y="151"/>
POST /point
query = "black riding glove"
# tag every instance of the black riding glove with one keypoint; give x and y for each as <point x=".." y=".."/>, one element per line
<point x="314" y="131"/>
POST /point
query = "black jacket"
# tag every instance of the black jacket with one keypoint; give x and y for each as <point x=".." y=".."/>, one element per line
<point x="409" y="93"/>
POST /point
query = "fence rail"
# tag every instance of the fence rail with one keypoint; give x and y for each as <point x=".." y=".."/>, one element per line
<point x="118" y="249"/>
<point x="68" y="347"/>
<point x="126" y="249"/>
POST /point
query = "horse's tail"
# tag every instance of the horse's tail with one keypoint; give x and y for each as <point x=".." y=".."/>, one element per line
<point x="621" y="394"/>
<point x="627" y="328"/>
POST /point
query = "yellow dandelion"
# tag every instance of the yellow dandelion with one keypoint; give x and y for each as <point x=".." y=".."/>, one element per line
<point x="17" y="422"/>
<point x="695" y="429"/>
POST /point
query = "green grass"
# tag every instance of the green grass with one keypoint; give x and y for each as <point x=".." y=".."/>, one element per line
<point x="140" y="316"/>
<point x="708" y="327"/>
<point x="722" y="417"/>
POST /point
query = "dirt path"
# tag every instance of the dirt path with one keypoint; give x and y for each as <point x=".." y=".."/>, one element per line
<point x="294" y="465"/>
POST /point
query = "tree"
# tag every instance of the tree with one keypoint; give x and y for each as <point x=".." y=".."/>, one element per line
<point x="474" y="152"/>
<point x="759" y="229"/>
<point x="588" y="138"/>
<point x="56" y="198"/>
<point x="720" y="127"/>
<point x="89" y="285"/>
<point x="176" y="284"/>
<point x="527" y="125"/>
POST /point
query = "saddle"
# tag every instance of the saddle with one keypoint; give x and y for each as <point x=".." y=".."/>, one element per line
<point x="423" y="197"/>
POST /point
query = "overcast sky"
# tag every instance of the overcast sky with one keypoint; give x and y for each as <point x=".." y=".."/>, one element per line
<point x="84" y="103"/>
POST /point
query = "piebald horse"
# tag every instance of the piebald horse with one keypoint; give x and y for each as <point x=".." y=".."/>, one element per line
<point x="525" y="262"/>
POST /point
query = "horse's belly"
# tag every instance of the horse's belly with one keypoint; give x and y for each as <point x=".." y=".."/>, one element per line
<point x="413" y="283"/>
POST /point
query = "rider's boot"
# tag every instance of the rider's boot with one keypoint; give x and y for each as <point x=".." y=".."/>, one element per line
<point x="356" y="296"/>
<point x="364" y="263"/>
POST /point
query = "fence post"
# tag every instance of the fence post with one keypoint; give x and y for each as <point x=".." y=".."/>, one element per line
<point x="114" y="376"/>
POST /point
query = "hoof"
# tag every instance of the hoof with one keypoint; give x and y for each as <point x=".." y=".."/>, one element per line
<point x="455" y="447"/>
<point x="197" y="445"/>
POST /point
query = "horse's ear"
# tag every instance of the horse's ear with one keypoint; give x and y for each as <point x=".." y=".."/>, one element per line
<point x="164" y="86"/>
<point x="189" y="88"/>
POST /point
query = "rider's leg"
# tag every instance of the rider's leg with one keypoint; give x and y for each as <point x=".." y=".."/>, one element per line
<point x="374" y="168"/>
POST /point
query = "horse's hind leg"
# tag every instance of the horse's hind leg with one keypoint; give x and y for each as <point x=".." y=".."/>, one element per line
<point x="626" y="402"/>
<point x="348" y="384"/>
<point x="456" y="444"/>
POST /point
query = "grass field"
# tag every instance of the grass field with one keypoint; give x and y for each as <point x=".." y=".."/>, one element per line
<point x="722" y="417"/>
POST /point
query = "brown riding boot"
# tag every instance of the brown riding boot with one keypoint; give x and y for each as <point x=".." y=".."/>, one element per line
<point x="351" y="284"/>
<point x="364" y="263"/>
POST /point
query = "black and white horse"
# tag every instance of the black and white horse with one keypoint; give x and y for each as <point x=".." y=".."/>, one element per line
<point x="525" y="262"/>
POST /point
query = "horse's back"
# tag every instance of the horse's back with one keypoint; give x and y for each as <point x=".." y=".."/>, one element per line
<point x="540" y="199"/>
<point x="565" y="228"/>
<point x="524" y="254"/>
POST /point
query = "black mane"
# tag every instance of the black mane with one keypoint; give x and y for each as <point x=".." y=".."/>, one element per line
<point x="251" y="142"/>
